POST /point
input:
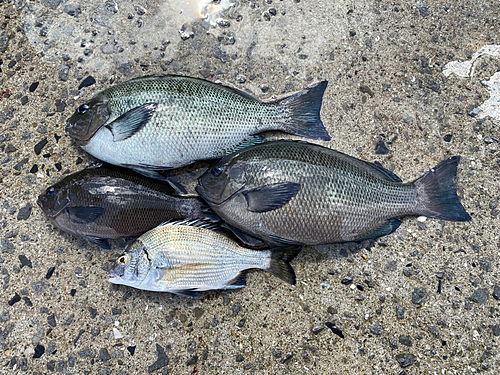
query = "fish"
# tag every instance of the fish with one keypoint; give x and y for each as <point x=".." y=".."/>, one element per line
<point x="188" y="257"/>
<point x="163" y="122"/>
<point x="108" y="202"/>
<point x="294" y="192"/>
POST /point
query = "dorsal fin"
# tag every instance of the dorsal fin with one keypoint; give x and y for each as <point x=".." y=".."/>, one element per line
<point x="386" y="173"/>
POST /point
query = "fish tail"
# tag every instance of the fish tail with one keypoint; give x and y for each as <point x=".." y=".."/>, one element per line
<point x="437" y="195"/>
<point x="280" y="263"/>
<point x="303" y="113"/>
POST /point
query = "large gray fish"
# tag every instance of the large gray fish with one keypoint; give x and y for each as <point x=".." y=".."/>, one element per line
<point x="110" y="202"/>
<point x="160" y="122"/>
<point x="186" y="258"/>
<point x="295" y="192"/>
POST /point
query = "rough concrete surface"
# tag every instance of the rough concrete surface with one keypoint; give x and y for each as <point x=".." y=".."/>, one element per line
<point x="423" y="300"/>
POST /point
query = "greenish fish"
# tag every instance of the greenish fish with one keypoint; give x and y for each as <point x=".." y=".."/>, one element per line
<point x="162" y="122"/>
<point x="295" y="192"/>
<point x="188" y="257"/>
<point x="109" y="202"/>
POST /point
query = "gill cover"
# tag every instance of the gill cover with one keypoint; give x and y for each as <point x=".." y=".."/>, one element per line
<point x="222" y="181"/>
<point x="87" y="120"/>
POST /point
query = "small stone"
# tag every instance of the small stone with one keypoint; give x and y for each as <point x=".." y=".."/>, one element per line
<point x="104" y="355"/>
<point x="24" y="212"/>
<point x="496" y="292"/>
<point x="93" y="312"/>
<point x="393" y="344"/>
<point x="423" y="9"/>
<point x="264" y="88"/>
<point x="381" y="148"/>
<point x="276" y="353"/>
<point x="51" y="320"/>
<point x="4" y="317"/>
<point x="474" y="112"/>
<point x="60" y="105"/>
<point x="24" y="100"/>
<point x="367" y="90"/>
<point x="239" y="358"/>
<point x="162" y="359"/>
<point x="287" y="358"/>
<point x="377" y="329"/>
<point x="400" y="312"/>
<point x="406" y="360"/>
<point x="95" y="331"/>
<point x="14" y="299"/>
<point x="89" y="81"/>
<point x="236" y="309"/>
<point x="192" y="361"/>
<point x="117" y="334"/>
<point x="89" y="353"/>
<point x="131" y="349"/>
<point x="241" y="323"/>
<point x="447" y="137"/>
<point x="186" y="32"/>
<point x="480" y="296"/>
<point x="405" y="340"/>
<point x="317" y="329"/>
<point x="116" y="311"/>
<point x="25" y="261"/>
<point x="419" y="295"/>
<point x="496" y="330"/>
<point x="39" y="351"/>
<point x="347" y="280"/>
<point x="63" y="72"/>
<point x="335" y="329"/>
<point x="408" y="272"/>
<point x="72" y="10"/>
<point x="493" y="204"/>
<point x="40" y="145"/>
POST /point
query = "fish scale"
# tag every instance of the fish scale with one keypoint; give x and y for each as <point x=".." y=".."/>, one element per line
<point x="161" y="122"/>
<point x="340" y="198"/>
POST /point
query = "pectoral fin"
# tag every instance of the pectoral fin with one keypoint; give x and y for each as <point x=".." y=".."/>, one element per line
<point x="84" y="214"/>
<point x="132" y="121"/>
<point x="271" y="197"/>
<point x="100" y="242"/>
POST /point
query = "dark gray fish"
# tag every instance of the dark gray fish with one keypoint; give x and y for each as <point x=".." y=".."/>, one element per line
<point x="109" y="202"/>
<point x="160" y="122"/>
<point x="295" y="192"/>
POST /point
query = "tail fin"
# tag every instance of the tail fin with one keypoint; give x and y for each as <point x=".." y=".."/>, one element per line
<point x="303" y="112"/>
<point x="280" y="263"/>
<point x="436" y="193"/>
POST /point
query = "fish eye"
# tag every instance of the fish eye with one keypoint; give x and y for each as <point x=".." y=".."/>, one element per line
<point x="216" y="171"/>
<point x="123" y="259"/>
<point x="50" y="191"/>
<point x="83" y="108"/>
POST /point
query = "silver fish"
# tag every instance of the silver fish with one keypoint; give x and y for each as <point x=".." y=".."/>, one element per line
<point x="184" y="259"/>
<point x="295" y="192"/>
<point x="161" y="122"/>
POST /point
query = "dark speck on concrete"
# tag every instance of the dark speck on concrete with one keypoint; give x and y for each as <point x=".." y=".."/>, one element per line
<point x="116" y="311"/>
<point x="192" y="361"/>
<point x="40" y="145"/>
<point x="447" y="137"/>
<point x="131" y="349"/>
<point x="239" y="358"/>
<point x="104" y="355"/>
<point x="33" y="86"/>
<point x="241" y="323"/>
<point x="51" y="320"/>
<point x="405" y="360"/>
<point x="50" y="271"/>
<point x="25" y="261"/>
<point x="317" y="329"/>
<point x="7" y="246"/>
<point x="89" y="81"/>
<point x="24" y="212"/>
<point x="405" y="340"/>
<point x="162" y="360"/>
<point x="400" y="312"/>
<point x="496" y="330"/>
<point x="93" y="312"/>
<point x="335" y="329"/>
<point x="24" y="100"/>
<point x="39" y="351"/>
<point x="423" y="9"/>
<point x="276" y="353"/>
<point x="480" y="296"/>
<point x="381" y="148"/>
<point x="14" y="299"/>
<point x="347" y="280"/>
<point x="89" y="353"/>
<point x="60" y="105"/>
<point x="236" y="309"/>
<point x="418" y="296"/>
<point x="496" y="292"/>
<point x="287" y="358"/>
<point x="63" y="72"/>
<point x="377" y="329"/>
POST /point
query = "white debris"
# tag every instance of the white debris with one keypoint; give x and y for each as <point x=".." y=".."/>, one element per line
<point x="491" y="107"/>
<point x="117" y="334"/>
<point x="422" y="218"/>
<point x="465" y="69"/>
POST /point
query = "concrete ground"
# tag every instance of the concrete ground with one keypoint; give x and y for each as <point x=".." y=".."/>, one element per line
<point x="423" y="300"/>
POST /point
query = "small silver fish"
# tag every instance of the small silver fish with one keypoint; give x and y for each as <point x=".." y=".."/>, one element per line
<point x="162" y="122"/>
<point x="187" y="257"/>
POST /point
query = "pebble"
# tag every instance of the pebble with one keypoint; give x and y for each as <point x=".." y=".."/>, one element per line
<point x="131" y="349"/>
<point x="72" y="10"/>
<point x="236" y="309"/>
<point x="447" y="137"/>
<point x="335" y="329"/>
<point x="405" y="340"/>
<point x="493" y="204"/>
<point x="381" y="148"/>
<point x="347" y="280"/>
<point x="480" y="296"/>
<point x="117" y="334"/>
<point x="418" y="296"/>
<point x="496" y="330"/>
<point x="317" y="329"/>
<point x="496" y="292"/>
<point x="239" y="358"/>
<point x="400" y="312"/>
<point x="63" y="72"/>
<point x="104" y="355"/>
<point x="192" y="361"/>
<point x="276" y="353"/>
<point x="287" y="358"/>
<point x="161" y="361"/>
<point x="406" y="360"/>
<point x="51" y="320"/>
<point x="40" y="145"/>
<point x="25" y="261"/>
<point x="14" y="299"/>
<point x="377" y="329"/>
<point x="39" y="351"/>
<point x="24" y="212"/>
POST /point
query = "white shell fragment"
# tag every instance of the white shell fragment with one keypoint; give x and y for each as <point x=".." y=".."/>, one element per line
<point x="117" y="334"/>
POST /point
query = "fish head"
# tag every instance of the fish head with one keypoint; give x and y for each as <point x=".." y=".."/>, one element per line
<point x="54" y="200"/>
<point x="88" y="119"/>
<point x="222" y="181"/>
<point x="132" y="267"/>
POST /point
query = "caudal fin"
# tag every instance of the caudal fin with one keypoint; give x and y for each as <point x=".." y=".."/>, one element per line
<point x="303" y="110"/>
<point x="280" y="263"/>
<point x="437" y="195"/>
